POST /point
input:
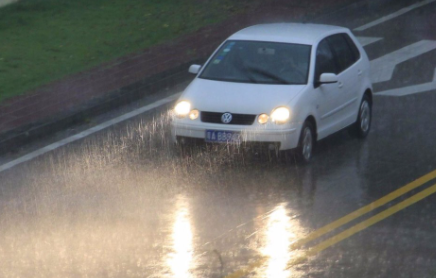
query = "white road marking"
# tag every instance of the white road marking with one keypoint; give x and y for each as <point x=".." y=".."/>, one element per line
<point x="7" y="2"/>
<point x="410" y="90"/>
<point x="382" y="68"/>
<point x="364" y="41"/>
<point x="87" y="132"/>
<point x="393" y="15"/>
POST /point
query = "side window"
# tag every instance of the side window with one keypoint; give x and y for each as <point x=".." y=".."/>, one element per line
<point x="344" y="55"/>
<point x="353" y="47"/>
<point x="325" y="62"/>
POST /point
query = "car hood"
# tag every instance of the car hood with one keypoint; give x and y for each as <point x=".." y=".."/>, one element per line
<point x="241" y="98"/>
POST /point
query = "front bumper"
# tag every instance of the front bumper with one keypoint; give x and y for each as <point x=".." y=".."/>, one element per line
<point x="284" y="136"/>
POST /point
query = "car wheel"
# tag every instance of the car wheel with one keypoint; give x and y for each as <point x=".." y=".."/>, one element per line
<point x="363" y="124"/>
<point x="306" y="143"/>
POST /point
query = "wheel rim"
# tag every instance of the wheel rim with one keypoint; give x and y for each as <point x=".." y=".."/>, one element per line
<point x="365" y="116"/>
<point x="307" y="143"/>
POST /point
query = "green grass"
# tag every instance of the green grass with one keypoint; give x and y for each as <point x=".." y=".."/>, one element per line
<point x="45" y="40"/>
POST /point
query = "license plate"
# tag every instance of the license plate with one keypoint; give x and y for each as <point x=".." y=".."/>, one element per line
<point x="222" y="136"/>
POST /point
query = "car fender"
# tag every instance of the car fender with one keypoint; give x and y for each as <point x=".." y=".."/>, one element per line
<point x="303" y="106"/>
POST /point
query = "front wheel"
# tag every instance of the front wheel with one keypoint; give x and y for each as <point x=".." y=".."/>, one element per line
<point x="363" y="124"/>
<point x="306" y="142"/>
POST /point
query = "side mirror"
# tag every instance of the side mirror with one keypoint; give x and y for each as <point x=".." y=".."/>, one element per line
<point x="194" y="69"/>
<point x="327" y="78"/>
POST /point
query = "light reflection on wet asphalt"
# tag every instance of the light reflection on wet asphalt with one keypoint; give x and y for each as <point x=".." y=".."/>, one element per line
<point x="132" y="207"/>
<point x="181" y="259"/>
<point x="277" y="238"/>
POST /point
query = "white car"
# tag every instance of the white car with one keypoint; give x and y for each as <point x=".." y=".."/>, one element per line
<point x="286" y="85"/>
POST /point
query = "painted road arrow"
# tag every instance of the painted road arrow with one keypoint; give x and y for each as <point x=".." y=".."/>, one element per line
<point x="382" y="68"/>
<point x="413" y="89"/>
<point x="364" y="41"/>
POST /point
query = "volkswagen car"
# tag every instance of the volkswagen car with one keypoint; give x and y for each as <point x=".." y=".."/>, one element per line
<point x="286" y="85"/>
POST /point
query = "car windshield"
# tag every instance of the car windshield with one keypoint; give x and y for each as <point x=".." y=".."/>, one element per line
<point x="259" y="62"/>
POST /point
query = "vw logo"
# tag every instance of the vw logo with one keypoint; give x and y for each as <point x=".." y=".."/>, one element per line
<point x="226" y="118"/>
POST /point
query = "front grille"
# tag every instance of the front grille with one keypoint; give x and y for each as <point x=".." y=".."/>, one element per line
<point x="237" y="119"/>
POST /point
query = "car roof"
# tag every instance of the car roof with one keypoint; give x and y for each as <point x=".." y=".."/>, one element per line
<point x="302" y="33"/>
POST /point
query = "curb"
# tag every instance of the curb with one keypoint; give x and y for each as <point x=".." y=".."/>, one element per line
<point x="13" y="139"/>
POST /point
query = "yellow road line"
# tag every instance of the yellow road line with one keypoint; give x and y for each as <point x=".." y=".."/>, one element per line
<point x="364" y="210"/>
<point x="344" y="220"/>
<point x="365" y="224"/>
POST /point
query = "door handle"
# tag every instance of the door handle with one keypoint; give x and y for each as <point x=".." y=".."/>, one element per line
<point x="359" y="72"/>
<point x="340" y="85"/>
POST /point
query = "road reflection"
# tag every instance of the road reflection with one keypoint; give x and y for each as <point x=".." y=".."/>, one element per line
<point x="279" y="233"/>
<point x="181" y="259"/>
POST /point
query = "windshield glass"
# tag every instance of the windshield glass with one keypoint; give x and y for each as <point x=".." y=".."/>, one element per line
<point x="259" y="62"/>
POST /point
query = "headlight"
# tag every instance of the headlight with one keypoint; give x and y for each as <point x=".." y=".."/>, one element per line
<point x="193" y="115"/>
<point x="182" y="108"/>
<point x="263" y="119"/>
<point x="280" y="115"/>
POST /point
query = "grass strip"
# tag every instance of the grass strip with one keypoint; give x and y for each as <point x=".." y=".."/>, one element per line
<point x="46" y="40"/>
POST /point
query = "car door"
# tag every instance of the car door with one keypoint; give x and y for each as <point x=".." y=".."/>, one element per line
<point x="348" y="79"/>
<point x="327" y="95"/>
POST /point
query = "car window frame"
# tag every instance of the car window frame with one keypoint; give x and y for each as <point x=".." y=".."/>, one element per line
<point x="353" y="46"/>
<point x="316" y="78"/>
<point x="336" y="55"/>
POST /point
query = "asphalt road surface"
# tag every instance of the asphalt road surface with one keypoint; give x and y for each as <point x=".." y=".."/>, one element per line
<point x="121" y="202"/>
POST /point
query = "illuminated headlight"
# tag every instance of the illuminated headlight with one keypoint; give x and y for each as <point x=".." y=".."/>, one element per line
<point x="263" y="119"/>
<point x="280" y="115"/>
<point x="193" y="115"/>
<point x="182" y="109"/>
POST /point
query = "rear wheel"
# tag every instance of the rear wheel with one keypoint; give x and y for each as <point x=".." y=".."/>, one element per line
<point x="306" y="142"/>
<point x="363" y="124"/>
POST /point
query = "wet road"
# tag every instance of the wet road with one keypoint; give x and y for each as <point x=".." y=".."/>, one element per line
<point x="123" y="203"/>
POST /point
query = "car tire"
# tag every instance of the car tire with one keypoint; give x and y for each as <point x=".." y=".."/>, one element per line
<point x="362" y="126"/>
<point x="306" y="143"/>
